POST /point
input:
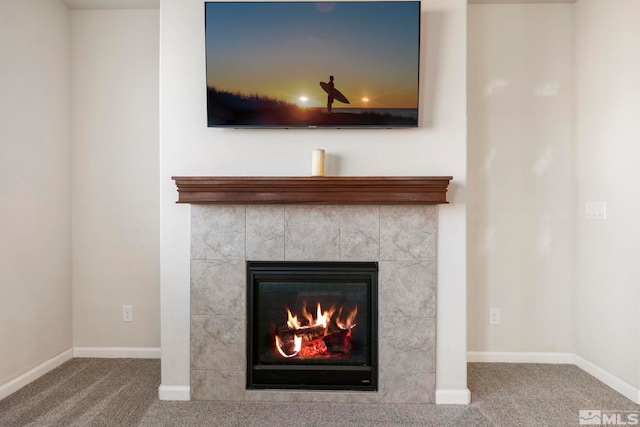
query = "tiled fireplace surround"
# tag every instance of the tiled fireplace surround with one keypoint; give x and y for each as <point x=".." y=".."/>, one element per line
<point x="401" y="238"/>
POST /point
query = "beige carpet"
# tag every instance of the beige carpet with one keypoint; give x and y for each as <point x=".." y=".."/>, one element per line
<point x="123" y="392"/>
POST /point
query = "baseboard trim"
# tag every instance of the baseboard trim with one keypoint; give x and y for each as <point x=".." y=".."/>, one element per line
<point x="118" y="352"/>
<point x="174" y="392"/>
<point x="520" y="357"/>
<point x="35" y="373"/>
<point x="624" y="388"/>
<point x="453" y="397"/>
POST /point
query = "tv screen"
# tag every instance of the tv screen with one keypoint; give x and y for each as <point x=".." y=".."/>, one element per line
<point x="312" y="64"/>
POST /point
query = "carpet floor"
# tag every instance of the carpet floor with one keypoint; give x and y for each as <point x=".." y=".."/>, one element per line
<point x="123" y="392"/>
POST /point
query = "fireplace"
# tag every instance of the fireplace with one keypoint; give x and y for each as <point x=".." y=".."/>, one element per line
<point x="312" y="325"/>
<point x="389" y="221"/>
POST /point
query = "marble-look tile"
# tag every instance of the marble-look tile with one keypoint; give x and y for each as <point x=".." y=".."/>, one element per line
<point x="217" y="385"/>
<point x="265" y="232"/>
<point x="407" y="288"/>
<point x="408" y="233"/>
<point x="360" y="233"/>
<point x="406" y="291"/>
<point x="407" y="344"/>
<point x="217" y="342"/>
<point x="312" y="233"/>
<point x="218" y="287"/>
<point x="217" y="232"/>
<point x="407" y="387"/>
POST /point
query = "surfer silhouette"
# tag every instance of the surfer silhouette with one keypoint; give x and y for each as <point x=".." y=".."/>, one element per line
<point x="330" y="93"/>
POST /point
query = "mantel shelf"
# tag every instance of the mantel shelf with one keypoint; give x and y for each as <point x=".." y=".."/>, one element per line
<point x="391" y="190"/>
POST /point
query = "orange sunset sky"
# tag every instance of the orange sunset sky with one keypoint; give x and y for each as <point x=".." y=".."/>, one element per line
<point x="283" y="50"/>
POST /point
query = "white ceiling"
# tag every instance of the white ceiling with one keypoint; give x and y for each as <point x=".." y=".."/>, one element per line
<point x="155" y="4"/>
<point x="112" y="4"/>
<point x="517" y="1"/>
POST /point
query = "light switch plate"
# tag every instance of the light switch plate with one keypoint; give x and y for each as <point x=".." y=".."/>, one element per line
<point x="595" y="210"/>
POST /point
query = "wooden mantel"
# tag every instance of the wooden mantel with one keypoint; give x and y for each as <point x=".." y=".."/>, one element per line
<point x="396" y="190"/>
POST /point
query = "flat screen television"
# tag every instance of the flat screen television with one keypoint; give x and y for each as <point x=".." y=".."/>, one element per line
<point x="312" y="64"/>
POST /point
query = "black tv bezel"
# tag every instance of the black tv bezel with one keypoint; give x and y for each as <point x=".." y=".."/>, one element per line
<point x="331" y="126"/>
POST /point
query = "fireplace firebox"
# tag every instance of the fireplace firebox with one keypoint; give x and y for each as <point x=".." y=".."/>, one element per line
<point x="312" y="325"/>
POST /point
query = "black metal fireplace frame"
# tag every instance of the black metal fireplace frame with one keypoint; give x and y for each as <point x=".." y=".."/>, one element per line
<point x="312" y="376"/>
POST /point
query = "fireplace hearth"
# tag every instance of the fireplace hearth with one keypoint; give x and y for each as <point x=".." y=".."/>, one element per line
<point x="312" y="325"/>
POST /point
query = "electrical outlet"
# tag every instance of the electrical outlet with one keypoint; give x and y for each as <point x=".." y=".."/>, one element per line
<point x="494" y="316"/>
<point x="127" y="313"/>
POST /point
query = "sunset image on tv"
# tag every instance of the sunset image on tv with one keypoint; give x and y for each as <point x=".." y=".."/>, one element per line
<point x="310" y="64"/>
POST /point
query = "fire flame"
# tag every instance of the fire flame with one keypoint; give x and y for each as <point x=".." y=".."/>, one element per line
<point x="296" y="349"/>
<point x="312" y="325"/>
<point x="322" y="318"/>
<point x="348" y="322"/>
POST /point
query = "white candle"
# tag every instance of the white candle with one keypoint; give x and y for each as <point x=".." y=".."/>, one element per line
<point x="317" y="163"/>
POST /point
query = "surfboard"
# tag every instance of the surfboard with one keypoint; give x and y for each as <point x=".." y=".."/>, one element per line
<point x="337" y="95"/>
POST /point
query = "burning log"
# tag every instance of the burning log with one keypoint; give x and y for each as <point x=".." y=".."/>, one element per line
<point x="311" y="333"/>
<point x="307" y="333"/>
<point x="313" y="342"/>
<point x="338" y="342"/>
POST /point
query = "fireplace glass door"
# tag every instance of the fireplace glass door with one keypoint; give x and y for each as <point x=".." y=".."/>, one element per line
<point x="312" y="325"/>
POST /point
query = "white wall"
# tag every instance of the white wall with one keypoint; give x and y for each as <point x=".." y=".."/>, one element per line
<point x="554" y="113"/>
<point x="520" y="202"/>
<point x="35" y="167"/>
<point x="115" y="134"/>
<point x="607" y="145"/>
<point x="188" y="147"/>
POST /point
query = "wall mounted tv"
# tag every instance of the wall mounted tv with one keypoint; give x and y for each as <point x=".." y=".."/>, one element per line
<point x="312" y="64"/>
